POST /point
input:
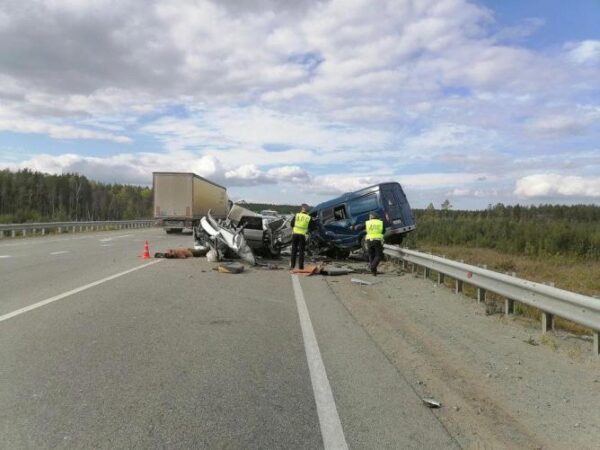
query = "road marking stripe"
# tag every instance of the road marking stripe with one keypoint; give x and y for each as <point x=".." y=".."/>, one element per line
<point x="5" y="256"/>
<point x="329" y="420"/>
<point x="62" y="252"/>
<point x="73" y="291"/>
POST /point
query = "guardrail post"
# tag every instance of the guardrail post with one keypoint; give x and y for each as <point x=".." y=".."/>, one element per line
<point x="458" y="286"/>
<point x="73" y="228"/>
<point x="440" y="278"/>
<point x="33" y="231"/>
<point x="596" y="334"/>
<point x="414" y="267"/>
<point x="480" y="295"/>
<point x="24" y="232"/>
<point x="426" y="272"/>
<point x="43" y="231"/>
<point x="59" y="230"/>
<point x="547" y="322"/>
<point x="14" y="233"/>
<point x="509" y="306"/>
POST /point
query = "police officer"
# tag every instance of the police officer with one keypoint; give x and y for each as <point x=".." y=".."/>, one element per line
<point x="300" y="226"/>
<point x="374" y="228"/>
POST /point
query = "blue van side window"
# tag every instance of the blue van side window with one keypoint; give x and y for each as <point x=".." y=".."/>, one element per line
<point x="363" y="204"/>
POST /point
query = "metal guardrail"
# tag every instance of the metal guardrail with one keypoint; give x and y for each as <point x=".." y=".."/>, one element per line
<point x="14" y="229"/>
<point x="549" y="300"/>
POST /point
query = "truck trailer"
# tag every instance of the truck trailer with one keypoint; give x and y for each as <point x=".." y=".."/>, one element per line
<point x="181" y="199"/>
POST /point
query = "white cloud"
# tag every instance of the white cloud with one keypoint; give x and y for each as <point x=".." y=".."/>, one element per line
<point x="57" y="131"/>
<point x="253" y="127"/>
<point x="548" y="185"/>
<point x="558" y="125"/>
<point x="584" y="52"/>
<point x="137" y="168"/>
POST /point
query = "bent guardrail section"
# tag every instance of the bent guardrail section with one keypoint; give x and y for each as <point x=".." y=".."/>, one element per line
<point x="549" y="300"/>
<point x="14" y="229"/>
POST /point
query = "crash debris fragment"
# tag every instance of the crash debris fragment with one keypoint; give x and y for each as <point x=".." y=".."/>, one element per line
<point x="432" y="403"/>
<point x="335" y="270"/>
<point x="230" y="268"/>
<point x="176" y="253"/>
<point x="311" y="269"/>
<point x="362" y="282"/>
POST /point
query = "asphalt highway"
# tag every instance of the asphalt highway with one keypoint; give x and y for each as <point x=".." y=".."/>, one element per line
<point x="102" y="349"/>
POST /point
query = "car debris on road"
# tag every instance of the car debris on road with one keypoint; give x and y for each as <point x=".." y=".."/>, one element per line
<point x="362" y="282"/>
<point x="230" y="268"/>
<point x="432" y="403"/>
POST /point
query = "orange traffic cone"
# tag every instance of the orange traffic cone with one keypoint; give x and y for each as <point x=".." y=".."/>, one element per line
<point x="146" y="254"/>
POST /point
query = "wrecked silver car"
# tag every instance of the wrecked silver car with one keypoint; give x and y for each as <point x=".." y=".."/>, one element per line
<point x="265" y="233"/>
<point x="242" y="233"/>
<point x="219" y="239"/>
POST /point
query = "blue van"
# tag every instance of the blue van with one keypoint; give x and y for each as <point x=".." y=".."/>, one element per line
<point x="340" y="221"/>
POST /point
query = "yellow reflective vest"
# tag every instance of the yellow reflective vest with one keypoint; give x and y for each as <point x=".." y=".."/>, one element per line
<point x="301" y="223"/>
<point x="374" y="230"/>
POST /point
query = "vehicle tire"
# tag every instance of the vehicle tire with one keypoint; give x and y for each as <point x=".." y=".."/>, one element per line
<point x="168" y="231"/>
<point x="275" y="252"/>
<point x="365" y="248"/>
<point x="395" y="239"/>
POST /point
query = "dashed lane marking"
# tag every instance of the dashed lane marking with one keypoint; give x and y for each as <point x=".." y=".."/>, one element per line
<point x="61" y="252"/>
<point x="20" y="311"/>
<point x="329" y="420"/>
<point x="115" y="237"/>
<point x="5" y="256"/>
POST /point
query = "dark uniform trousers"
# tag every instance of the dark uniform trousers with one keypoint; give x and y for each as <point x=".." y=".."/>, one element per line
<point x="298" y="244"/>
<point x="375" y="254"/>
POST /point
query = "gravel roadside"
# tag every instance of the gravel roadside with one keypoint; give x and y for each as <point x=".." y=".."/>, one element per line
<point x="501" y="382"/>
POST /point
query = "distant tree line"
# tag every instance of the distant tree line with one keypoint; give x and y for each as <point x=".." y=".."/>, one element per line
<point x="27" y="196"/>
<point x="540" y="231"/>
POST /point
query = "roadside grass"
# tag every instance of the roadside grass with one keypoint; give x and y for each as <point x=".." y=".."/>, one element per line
<point x="567" y="273"/>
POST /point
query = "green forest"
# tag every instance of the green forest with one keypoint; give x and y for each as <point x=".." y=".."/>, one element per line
<point x="544" y="230"/>
<point x="27" y="196"/>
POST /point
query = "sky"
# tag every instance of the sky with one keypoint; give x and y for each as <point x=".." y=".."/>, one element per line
<point x="290" y="101"/>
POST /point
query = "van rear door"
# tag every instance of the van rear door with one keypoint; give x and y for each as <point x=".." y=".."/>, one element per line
<point x="390" y="203"/>
<point x="396" y="205"/>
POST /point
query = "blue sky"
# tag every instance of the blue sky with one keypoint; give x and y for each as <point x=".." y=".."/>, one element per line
<point x="478" y="102"/>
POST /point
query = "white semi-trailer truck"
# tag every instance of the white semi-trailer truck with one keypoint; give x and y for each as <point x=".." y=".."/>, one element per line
<point x="181" y="199"/>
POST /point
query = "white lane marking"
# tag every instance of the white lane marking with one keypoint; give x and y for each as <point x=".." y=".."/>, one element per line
<point x="115" y="237"/>
<point x="73" y="291"/>
<point x="329" y="420"/>
<point x="106" y="245"/>
<point x="62" y="252"/>
<point x="5" y="256"/>
<point x="38" y="240"/>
